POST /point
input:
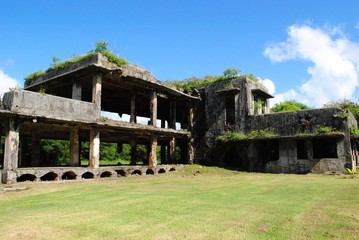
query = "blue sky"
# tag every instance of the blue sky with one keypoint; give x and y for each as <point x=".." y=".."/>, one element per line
<point x="302" y="50"/>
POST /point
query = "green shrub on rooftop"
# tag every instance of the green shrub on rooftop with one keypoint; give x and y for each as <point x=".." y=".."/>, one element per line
<point x="101" y="47"/>
<point x="262" y="133"/>
<point x="188" y="85"/>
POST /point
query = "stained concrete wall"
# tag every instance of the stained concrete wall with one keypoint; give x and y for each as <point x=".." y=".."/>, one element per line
<point x="296" y="122"/>
<point x="44" y="105"/>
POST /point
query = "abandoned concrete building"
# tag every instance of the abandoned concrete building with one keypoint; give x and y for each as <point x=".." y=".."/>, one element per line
<point x="76" y="94"/>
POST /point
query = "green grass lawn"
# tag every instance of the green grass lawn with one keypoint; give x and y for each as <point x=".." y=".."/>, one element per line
<point x="193" y="203"/>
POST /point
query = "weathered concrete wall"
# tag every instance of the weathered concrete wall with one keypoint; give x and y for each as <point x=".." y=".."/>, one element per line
<point x="296" y="122"/>
<point x="43" y="105"/>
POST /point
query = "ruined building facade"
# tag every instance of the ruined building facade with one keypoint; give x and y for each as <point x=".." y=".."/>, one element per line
<point x="76" y="94"/>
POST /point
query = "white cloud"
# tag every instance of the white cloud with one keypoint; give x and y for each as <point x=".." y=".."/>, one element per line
<point x="6" y="82"/>
<point x="335" y="63"/>
<point x="269" y="85"/>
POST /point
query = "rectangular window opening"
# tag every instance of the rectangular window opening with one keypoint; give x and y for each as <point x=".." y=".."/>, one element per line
<point x="325" y="148"/>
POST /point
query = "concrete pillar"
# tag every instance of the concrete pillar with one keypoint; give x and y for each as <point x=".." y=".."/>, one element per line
<point x="152" y="158"/>
<point x="172" y="150"/>
<point x="11" y="152"/>
<point x="190" y="116"/>
<point x="36" y="150"/>
<point x="173" y="117"/>
<point x="94" y="161"/>
<point x="76" y="90"/>
<point x="354" y="155"/>
<point x="153" y="109"/>
<point x="133" y="108"/>
<point x="237" y="117"/>
<point x="74" y="147"/>
<point x="133" y="145"/>
<point x="96" y="92"/>
<point x="190" y="147"/>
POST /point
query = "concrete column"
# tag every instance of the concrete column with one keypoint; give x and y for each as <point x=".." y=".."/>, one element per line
<point x="74" y="147"/>
<point x="36" y="150"/>
<point x="190" y="151"/>
<point x="153" y="109"/>
<point x="133" y="108"/>
<point x="173" y="117"/>
<point x="190" y="116"/>
<point x="94" y="161"/>
<point x="76" y="90"/>
<point x="96" y="92"/>
<point x="172" y="154"/>
<point x="11" y="152"/>
<point x="133" y="145"/>
<point x="237" y="110"/>
<point x="354" y="155"/>
<point x="152" y="158"/>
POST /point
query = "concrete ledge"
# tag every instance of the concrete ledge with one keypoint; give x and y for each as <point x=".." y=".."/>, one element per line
<point x="49" y="106"/>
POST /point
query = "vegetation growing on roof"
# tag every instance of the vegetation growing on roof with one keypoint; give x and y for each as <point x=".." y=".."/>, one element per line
<point x="346" y="104"/>
<point x="254" y="134"/>
<point x="101" y="47"/>
<point x="326" y="129"/>
<point x="189" y="84"/>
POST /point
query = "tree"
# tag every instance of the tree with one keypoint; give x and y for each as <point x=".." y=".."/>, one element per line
<point x="101" y="46"/>
<point x="231" y="72"/>
<point x="287" y="106"/>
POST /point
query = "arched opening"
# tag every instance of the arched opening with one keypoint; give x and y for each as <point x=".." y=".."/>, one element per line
<point x="87" y="175"/>
<point x="121" y="173"/>
<point x="26" y="177"/>
<point x="136" y="172"/>
<point x="69" y="175"/>
<point x="150" y="172"/>
<point x="51" y="176"/>
<point x="172" y="169"/>
<point x="105" y="174"/>
<point x="162" y="170"/>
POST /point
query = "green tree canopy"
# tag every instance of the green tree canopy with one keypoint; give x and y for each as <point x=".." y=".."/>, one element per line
<point x="287" y="106"/>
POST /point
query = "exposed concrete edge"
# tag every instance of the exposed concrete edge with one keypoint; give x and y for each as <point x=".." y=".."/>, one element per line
<point x="97" y="60"/>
